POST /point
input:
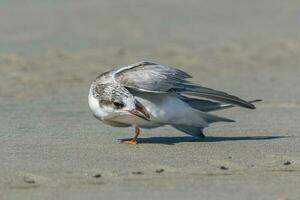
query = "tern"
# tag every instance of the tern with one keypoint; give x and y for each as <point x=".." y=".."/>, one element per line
<point x="149" y="95"/>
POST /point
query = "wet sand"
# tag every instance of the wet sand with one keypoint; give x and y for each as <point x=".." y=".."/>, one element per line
<point x="51" y="147"/>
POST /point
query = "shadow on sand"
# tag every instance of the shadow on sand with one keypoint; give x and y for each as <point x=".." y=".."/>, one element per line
<point x="180" y="139"/>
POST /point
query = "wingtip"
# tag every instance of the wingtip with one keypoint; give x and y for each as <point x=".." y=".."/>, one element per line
<point x="252" y="106"/>
<point x="231" y="121"/>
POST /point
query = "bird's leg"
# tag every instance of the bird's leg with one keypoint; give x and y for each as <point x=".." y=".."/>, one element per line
<point x="134" y="139"/>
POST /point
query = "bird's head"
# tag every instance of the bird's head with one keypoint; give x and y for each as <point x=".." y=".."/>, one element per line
<point x="109" y="100"/>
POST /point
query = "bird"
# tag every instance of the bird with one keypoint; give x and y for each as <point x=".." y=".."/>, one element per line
<point x="150" y="95"/>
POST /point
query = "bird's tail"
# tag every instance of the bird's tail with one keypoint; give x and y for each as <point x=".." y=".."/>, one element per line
<point x="202" y="107"/>
<point x="209" y="118"/>
<point x="191" y="130"/>
<point x="196" y="130"/>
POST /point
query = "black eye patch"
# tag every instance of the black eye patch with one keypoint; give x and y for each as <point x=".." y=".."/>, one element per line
<point x="118" y="105"/>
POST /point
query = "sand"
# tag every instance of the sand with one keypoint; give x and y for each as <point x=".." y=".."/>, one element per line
<point x="51" y="147"/>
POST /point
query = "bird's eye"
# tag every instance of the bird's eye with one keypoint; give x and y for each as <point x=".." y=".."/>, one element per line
<point x="118" y="105"/>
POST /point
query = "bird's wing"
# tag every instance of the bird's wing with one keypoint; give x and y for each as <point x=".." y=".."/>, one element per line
<point x="207" y="105"/>
<point x="156" y="78"/>
<point x="151" y="77"/>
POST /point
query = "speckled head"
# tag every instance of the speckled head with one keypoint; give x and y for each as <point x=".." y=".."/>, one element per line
<point x="110" y="100"/>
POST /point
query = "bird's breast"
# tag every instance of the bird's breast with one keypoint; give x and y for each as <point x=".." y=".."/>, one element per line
<point x="95" y="108"/>
<point x="167" y="108"/>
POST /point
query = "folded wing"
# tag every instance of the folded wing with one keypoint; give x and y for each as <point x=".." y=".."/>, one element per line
<point x="156" y="78"/>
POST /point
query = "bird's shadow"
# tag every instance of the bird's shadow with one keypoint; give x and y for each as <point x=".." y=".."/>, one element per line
<point x="181" y="139"/>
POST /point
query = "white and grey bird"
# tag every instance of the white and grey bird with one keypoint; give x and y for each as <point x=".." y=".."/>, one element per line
<point x="150" y="95"/>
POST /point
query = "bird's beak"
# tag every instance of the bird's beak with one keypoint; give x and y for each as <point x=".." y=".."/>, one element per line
<point x="140" y="111"/>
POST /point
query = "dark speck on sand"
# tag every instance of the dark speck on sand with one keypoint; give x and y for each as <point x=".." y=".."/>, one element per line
<point x="159" y="171"/>
<point x="223" y="168"/>
<point x="287" y="163"/>
<point x="97" y="176"/>
<point x="137" y="173"/>
<point x="28" y="180"/>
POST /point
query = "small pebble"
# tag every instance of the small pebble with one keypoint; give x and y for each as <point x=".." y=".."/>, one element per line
<point x="97" y="176"/>
<point x="28" y="180"/>
<point x="137" y="173"/>
<point x="229" y="157"/>
<point x="287" y="163"/>
<point x="223" y="168"/>
<point x="159" y="170"/>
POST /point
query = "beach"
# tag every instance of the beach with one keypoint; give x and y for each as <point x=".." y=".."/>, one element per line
<point x="52" y="147"/>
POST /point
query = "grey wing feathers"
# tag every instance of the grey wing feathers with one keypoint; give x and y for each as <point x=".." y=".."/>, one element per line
<point x="194" y="90"/>
<point x="203" y="105"/>
<point x="208" y="106"/>
<point x="152" y="77"/>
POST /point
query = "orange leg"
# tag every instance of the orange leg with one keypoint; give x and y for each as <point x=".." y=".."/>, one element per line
<point x="134" y="139"/>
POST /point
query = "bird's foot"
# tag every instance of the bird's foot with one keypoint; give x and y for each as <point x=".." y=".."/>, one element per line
<point x="129" y="141"/>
